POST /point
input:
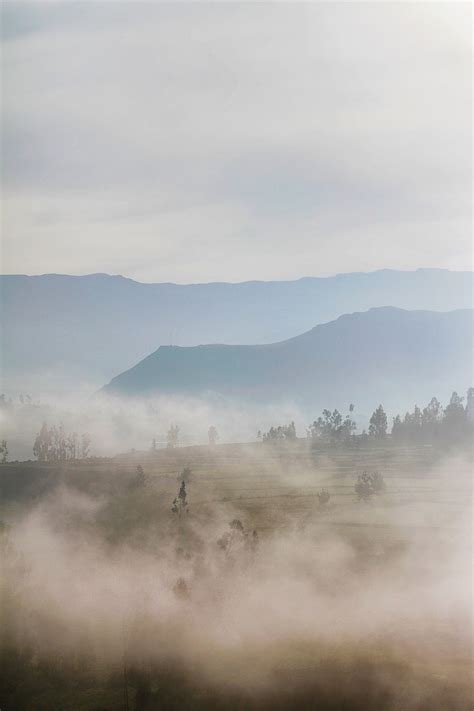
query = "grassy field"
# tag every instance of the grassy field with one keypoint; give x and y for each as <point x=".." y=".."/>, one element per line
<point x="269" y="484"/>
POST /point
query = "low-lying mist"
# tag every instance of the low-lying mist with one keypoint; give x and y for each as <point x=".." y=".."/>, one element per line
<point x="198" y="611"/>
<point x="119" y="425"/>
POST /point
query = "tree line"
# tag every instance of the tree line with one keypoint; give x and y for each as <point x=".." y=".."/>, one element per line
<point x="451" y="423"/>
<point x="455" y="422"/>
<point x="54" y="444"/>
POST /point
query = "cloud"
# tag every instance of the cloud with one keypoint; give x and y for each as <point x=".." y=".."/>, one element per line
<point x="158" y="139"/>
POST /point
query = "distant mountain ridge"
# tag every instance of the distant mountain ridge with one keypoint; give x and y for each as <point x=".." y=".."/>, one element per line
<point x="383" y="354"/>
<point x="58" y="330"/>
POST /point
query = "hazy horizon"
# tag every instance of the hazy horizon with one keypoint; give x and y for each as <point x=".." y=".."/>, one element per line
<point x="243" y="281"/>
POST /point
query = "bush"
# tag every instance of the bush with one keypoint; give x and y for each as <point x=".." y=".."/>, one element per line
<point x="369" y="484"/>
<point x="323" y="497"/>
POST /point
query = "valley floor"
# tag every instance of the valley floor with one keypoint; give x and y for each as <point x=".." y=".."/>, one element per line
<point x="259" y="597"/>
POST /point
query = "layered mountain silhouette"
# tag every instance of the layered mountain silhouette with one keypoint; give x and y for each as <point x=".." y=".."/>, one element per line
<point x="58" y="328"/>
<point x="385" y="354"/>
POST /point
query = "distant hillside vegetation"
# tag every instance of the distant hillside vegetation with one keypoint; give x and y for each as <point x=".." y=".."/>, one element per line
<point x="58" y="330"/>
<point x="390" y="354"/>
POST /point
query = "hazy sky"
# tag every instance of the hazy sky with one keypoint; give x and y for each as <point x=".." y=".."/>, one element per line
<point x="198" y="142"/>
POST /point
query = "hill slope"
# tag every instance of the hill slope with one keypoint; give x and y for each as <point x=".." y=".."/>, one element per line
<point x="387" y="354"/>
<point x="58" y="330"/>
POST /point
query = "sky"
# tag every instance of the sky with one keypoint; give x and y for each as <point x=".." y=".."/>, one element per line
<point x="193" y="142"/>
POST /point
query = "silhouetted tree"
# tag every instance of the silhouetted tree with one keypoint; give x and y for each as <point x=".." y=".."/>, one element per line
<point x="282" y="433"/>
<point x="140" y="477"/>
<point x="378" y="423"/>
<point x="180" y="503"/>
<point x="323" y="497"/>
<point x="397" y="427"/>
<point x="457" y="425"/>
<point x="369" y="484"/>
<point x="4" y="450"/>
<point x="42" y="446"/>
<point x="454" y="413"/>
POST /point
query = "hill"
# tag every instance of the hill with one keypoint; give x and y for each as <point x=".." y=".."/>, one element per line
<point x="385" y="354"/>
<point x="60" y="331"/>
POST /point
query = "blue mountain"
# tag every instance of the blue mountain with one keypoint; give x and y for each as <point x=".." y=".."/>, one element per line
<point x="386" y="354"/>
<point x="58" y="330"/>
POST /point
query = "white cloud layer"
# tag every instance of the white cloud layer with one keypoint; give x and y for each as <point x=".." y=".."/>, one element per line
<point x="196" y="142"/>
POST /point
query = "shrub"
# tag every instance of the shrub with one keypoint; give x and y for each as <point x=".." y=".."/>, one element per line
<point x="369" y="484"/>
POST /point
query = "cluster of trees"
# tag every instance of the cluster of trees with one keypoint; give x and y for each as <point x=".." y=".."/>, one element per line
<point x="283" y="433"/>
<point x="452" y="423"/>
<point x="332" y="426"/>
<point x="54" y="444"/>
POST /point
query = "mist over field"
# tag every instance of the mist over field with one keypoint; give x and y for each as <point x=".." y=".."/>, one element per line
<point x="359" y="604"/>
<point x="118" y="426"/>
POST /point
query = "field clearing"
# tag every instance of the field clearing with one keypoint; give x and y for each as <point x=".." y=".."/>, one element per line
<point x="273" y="487"/>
